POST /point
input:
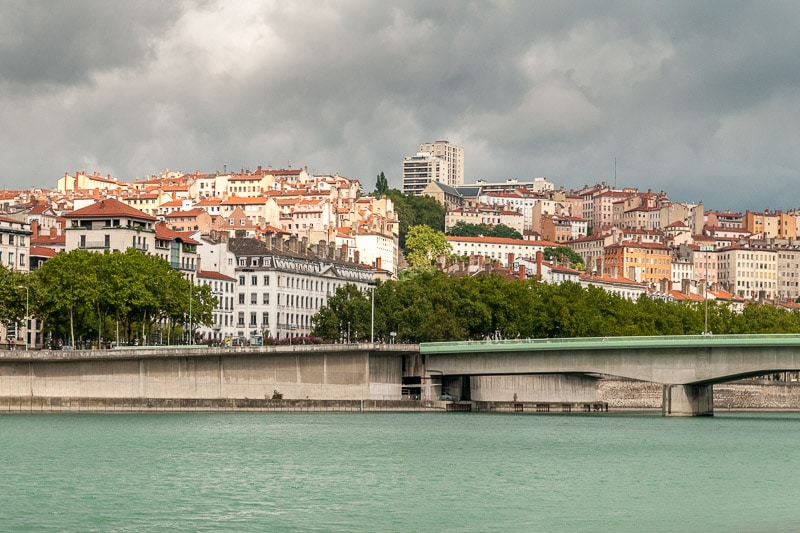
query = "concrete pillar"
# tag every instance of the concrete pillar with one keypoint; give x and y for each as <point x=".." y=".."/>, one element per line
<point x="688" y="400"/>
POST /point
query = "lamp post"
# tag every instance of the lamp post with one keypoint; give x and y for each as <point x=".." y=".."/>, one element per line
<point x="191" y="333"/>
<point x="372" y="326"/>
<point x="27" y="313"/>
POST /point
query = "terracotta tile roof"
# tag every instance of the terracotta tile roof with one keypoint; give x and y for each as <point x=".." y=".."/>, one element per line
<point x="108" y="208"/>
<point x="42" y="251"/>
<point x="210" y="274"/>
<point x="165" y="233"/>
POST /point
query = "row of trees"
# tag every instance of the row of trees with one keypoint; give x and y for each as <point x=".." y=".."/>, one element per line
<point x="118" y="295"/>
<point x="431" y="306"/>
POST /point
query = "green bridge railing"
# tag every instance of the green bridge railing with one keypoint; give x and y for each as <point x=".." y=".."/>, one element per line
<point x="605" y="343"/>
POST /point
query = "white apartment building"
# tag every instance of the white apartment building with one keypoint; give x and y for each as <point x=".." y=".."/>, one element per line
<point x="14" y="244"/>
<point x="421" y="169"/>
<point x="452" y="155"/>
<point x="109" y="225"/>
<point x="749" y="273"/>
<point x="277" y="291"/>
<point x="497" y="247"/>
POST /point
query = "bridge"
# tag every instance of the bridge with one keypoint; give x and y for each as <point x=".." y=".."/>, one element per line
<point x="686" y="366"/>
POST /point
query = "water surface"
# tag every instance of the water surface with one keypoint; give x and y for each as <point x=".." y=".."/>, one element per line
<point x="399" y="472"/>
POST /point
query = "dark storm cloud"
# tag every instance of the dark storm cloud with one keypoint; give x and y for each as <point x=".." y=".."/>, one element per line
<point x="698" y="99"/>
<point x="65" y="43"/>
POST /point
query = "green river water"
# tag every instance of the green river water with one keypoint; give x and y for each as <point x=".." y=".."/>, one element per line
<point x="399" y="472"/>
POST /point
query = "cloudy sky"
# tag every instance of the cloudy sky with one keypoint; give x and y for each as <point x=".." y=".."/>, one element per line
<point x="699" y="99"/>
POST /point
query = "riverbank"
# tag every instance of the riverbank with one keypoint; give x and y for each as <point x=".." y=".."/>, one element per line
<point x="613" y="396"/>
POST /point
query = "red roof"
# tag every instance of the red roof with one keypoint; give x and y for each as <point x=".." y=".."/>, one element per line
<point x="108" y="208"/>
<point x="165" y="233"/>
<point x="210" y="274"/>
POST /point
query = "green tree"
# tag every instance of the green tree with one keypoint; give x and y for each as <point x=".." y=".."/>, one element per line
<point x="557" y="253"/>
<point x="506" y="232"/>
<point x="347" y="315"/>
<point x="415" y="210"/>
<point x="424" y="244"/>
<point x="381" y="185"/>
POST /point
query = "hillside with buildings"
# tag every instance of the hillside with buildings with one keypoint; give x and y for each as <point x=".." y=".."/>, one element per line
<point x="274" y="244"/>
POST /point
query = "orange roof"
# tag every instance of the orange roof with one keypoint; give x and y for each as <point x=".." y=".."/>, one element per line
<point x="165" y="233"/>
<point x="210" y="274"/>
<point x="107" y="208"/>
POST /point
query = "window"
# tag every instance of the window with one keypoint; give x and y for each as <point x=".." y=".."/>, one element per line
<point x="253" y="298"/>
<point x="266" y="280"/>
<point x="253" y="319"/>
<point x="241" y="280"/>
<point x="266" y="298"/>
<point x="241" y="319"/>
<point x="241" y="298"/>
<point x="265" y="319"/>
<point x="254" y="280"/>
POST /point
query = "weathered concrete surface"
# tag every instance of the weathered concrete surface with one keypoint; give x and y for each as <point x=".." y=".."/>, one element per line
<point x="31" y="404"/>
<point x="687" y="400"/>
<point x="341" y="373"/>
<point x="554" y="388"/>
<point x="745" y="395"/>
<point x="674" y="360"/>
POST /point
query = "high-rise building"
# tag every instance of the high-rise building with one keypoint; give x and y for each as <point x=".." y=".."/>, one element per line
<point x="437" y="161"/>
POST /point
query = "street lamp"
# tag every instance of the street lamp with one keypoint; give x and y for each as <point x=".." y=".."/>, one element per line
<point x="191" y="333"/>
<point x="27" y="313"/>
<point x="372" y="327"/>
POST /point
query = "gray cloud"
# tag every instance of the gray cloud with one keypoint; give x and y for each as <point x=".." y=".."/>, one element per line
<point x="699" y="100"/>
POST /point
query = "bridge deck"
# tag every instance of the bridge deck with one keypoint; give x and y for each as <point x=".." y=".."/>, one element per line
<point x="606" y="343"/>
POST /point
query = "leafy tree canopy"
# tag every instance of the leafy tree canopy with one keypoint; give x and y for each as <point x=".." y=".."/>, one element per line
<point x="424" y="244"/>
<point x="555" y="254"/>
<point x="415" y="210"/>
<point x="465" y="229"/>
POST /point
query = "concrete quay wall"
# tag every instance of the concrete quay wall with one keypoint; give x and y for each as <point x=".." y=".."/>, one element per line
<point x="32" y="404"/>
<point x="323" y="376"/>
<point x="747" y="395"/>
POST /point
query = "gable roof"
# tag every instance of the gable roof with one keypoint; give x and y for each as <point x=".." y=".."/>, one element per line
<point x="108" y="207"/>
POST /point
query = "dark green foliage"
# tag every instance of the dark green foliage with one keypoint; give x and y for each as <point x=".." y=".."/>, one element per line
<point x="381" y="185"/>
<point x="113" y="295"/>
<point x="556" y="254"/>
<point x="415" y="210"/>
<point x="432" y="306"/>
<point x="464" y="229"/>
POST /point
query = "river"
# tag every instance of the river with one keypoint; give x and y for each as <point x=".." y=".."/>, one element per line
<point x="399" y="472"/>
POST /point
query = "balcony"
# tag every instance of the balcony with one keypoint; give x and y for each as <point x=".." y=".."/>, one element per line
<point x="94" y="245"/>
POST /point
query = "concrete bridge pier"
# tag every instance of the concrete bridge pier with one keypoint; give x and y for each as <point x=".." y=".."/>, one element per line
<point x="688" y="400"/>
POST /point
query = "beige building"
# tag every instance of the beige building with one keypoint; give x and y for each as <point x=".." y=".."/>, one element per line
<point x="749" y="273"/>
<point x="109" y="225"/>
<point x="437" y="161"/>
<point x="453" y="155"/>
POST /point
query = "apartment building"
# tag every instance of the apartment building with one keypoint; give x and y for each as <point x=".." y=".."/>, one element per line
<point x="421" y="169"/>
<point x="452" y="155"/>
<point x="788" y="265"/>
<point x="109" y="225"/>
<point x="648" y="263"/>
<point x="749" y="273"/>
<point x="497" y="248"/>
<point x="278" y="290"/>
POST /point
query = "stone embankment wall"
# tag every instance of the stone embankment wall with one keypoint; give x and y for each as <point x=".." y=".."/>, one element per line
<point x="33" y="404"/>
<point x="746" y="395"/>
